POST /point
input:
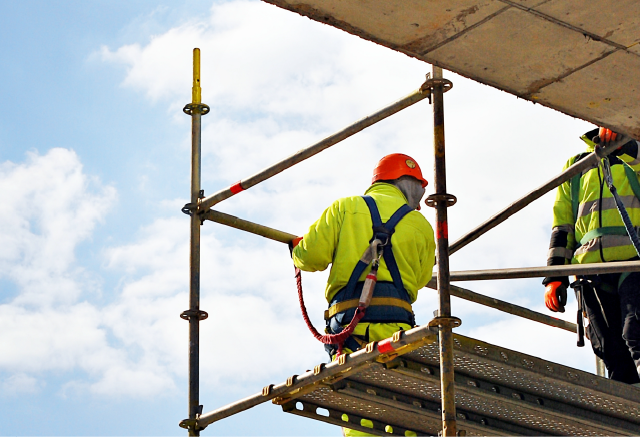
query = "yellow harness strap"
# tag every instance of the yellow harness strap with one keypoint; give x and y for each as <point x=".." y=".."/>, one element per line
<point x="353" y="303"/>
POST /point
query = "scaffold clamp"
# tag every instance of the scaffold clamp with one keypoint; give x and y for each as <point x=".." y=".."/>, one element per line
<point x="201" y="315"/>
<point x="433" y="200"/>
<point x="196" y="108"/>
<point x="188" y="208"/>
<point x="191" y="424"/>
<point x="433" y="82"/>
<point x="452" y="322"/>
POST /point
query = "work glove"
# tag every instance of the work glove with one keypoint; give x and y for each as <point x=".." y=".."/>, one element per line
<point x="605" y="136"/>
<point x="555" y="296"/>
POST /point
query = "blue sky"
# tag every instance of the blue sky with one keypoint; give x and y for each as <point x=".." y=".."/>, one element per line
<point x="94" y="167"/>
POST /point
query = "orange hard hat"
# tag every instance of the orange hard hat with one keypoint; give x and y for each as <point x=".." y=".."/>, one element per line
<point x="396" y="165"/>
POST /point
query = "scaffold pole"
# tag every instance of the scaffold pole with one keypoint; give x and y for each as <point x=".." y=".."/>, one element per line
<point x="441" y="199"/>
<point x="541" y="272"/>
<point x="195" y="109"/>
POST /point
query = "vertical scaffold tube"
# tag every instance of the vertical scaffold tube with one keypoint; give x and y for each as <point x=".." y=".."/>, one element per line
<point x="195" y="109"/>
<point x="442" y="254"/>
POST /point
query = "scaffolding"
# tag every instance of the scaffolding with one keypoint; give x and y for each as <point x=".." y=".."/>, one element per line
<point x="407" y="383"/>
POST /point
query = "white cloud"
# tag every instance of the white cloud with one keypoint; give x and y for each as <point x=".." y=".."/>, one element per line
<point x="19" y="383"/>
<point x="48" y="207"/>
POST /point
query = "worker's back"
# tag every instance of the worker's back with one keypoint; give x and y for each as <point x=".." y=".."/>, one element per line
<point x="344" y="231"/>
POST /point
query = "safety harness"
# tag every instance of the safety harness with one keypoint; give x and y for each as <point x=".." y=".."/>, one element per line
<point x="355" y="301"/>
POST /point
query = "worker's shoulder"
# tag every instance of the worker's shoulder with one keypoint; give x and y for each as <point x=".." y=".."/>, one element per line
<point x="349" y="202"/>
<point x="417" y="220"/>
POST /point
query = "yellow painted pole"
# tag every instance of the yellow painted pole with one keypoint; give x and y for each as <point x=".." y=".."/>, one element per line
<point x="196" y="91"/>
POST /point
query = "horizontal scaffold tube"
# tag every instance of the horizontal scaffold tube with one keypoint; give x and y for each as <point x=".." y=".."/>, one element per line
<point x="312" y="150"/>
<point x="331" y="369"/>
<point x="285" y="237"/>
<point x="507" y="307"/>
<point x="541" y="272"/>
<point x="589" y="161"/>
<point x="247" y="226"/>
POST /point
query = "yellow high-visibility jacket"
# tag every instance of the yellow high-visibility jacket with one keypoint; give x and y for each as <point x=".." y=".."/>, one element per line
<point x="595" y="232"/>
<point x="342" y="233"/>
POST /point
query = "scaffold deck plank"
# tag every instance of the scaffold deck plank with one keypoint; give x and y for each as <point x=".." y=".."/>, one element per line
<point x="498" y="392"/>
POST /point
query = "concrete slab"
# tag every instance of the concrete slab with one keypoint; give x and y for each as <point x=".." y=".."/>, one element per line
<point x="530" y="48"/>
<point x="618" y="22"/>
<point x="497" y="51"/>
<point x="608" y="92"/>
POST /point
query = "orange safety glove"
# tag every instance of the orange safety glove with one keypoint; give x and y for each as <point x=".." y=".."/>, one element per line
<point x="606" y="135"/>
<point x="555" y="296"/>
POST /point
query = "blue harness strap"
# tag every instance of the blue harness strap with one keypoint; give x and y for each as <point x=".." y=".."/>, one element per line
<point x="377" y="313"/>
<point x="382" y="231"/>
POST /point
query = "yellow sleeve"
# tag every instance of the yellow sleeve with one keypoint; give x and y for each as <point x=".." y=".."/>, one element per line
<point x="427" y="258"/>
<point x="563" y="207"/>
<point x="315" y="251"/>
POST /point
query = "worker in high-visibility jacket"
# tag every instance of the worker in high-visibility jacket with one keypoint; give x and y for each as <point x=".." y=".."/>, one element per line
<point x="344" y="231"/>
<point x="587" y="228"/>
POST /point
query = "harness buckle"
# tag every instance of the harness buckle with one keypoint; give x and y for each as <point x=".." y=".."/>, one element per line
<point x="383" y="234"/>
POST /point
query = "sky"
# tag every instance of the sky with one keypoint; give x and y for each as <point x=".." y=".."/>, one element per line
<point x="95" y="167"/>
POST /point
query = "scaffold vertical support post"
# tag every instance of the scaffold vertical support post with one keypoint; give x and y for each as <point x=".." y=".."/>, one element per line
<point x="196" y="109"/>
<point x="442" y="252"/>
<point x="194" y="255"/>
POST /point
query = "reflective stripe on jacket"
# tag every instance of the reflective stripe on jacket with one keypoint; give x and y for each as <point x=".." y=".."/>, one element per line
<point x="342" y="234"/>
<point x="590" y="229"/>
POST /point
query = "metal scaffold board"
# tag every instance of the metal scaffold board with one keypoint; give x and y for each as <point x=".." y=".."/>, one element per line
<point x="498" y="392"/>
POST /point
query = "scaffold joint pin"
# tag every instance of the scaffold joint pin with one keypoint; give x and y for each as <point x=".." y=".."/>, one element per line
<point x="196" y="108"/>
<point x="191" y="424"/>
<point x="433" y="82"/>
<point x="452" y="322"/>
<point x="188" y="314"/>
<point x="189" y="208"/>
<point x="433" y="200"/>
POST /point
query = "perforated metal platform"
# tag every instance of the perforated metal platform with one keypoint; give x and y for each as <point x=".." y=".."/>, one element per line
<point x="498" y="392"/>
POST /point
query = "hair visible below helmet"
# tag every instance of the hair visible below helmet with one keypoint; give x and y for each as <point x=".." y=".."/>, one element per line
<point x="395" y="166"/>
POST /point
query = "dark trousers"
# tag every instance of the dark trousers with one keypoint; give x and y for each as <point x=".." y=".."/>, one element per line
<point x="613" y="311"/>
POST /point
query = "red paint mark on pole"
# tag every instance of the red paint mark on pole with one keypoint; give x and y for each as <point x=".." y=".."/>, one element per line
<point x="442" y="230"/>
<point x="236" y="188"/>
<point x="385" y="346"/>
